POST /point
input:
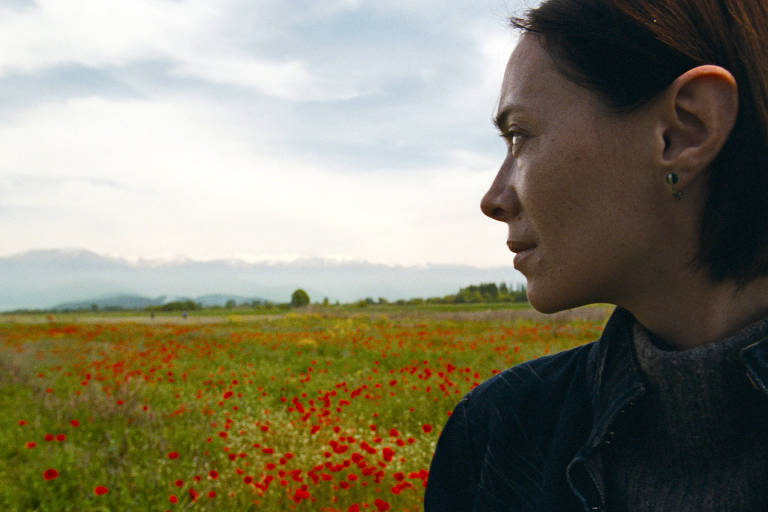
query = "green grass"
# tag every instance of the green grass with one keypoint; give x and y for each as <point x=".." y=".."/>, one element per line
<point x="300" y="384"/>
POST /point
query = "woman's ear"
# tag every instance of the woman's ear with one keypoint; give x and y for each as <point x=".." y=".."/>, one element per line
<point x="699" y="111"/>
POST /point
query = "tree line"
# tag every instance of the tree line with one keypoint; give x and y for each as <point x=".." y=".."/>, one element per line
<point x="476" y="293"/>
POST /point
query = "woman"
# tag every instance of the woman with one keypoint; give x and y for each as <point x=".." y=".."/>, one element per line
<point x="636" y="174"/>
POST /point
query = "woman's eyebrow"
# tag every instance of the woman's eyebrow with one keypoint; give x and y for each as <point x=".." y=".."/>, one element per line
<point x="500" y="119"/>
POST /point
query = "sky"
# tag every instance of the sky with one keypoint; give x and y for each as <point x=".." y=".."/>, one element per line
<point x="253" y="129"/>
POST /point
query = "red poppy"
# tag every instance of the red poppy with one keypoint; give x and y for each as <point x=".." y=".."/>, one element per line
<point x="213" y="474"/>
<point x="173" y="455"/>
<point x="426" y="428"/>
<point x="381" y="505"/>
<point x="61" y="437"/>
<point x="178" y="483"/>
<point x="100" y="490"/>
<point x="173" y="499"/>
<point x="50" y="474"/>
<point x="31" y="444"/>
<point x="74" y="423"/>
<point x="300" y="495"/>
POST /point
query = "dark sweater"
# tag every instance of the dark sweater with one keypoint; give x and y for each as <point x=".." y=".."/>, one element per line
<point x="697" y="440"/>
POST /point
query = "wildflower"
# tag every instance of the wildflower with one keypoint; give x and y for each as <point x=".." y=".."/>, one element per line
<point x="178" y="483"/>
<point x="173" y="455"/>
<point x="74" y="423"/>
<point x="31" y="445"/>
<point x="426" y="428"/>
<point x="100" y="490"/>
<point x="381" y="505"/>
<point x="61" y="437"/>
<point x="299" y="495"/>
<point x="173" y="499"/>
<point x="50" y="474"/>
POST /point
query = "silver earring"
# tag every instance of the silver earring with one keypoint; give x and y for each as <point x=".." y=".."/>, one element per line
<point x="672" y="179"/>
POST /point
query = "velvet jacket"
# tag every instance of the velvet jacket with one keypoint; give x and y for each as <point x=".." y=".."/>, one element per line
<point x="529" y="438"/>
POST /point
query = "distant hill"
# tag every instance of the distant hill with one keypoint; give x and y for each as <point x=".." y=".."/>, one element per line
<point x="139" y="302"/>
<point x="46" y="278"/>
<point x="111" y="302"/>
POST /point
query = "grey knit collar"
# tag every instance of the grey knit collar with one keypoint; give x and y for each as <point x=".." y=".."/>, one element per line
<point x="696" y="398"/>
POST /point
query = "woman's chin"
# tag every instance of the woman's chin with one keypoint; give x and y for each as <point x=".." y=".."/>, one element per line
<point x="552" y="302"/>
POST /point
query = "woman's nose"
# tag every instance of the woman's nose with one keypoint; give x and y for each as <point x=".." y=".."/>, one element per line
<point x="501" y="201"/>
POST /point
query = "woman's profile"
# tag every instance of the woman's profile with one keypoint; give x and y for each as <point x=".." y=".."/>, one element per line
<point x="636" y="175"/>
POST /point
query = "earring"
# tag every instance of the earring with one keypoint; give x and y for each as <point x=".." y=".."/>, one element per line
<point x="672" y="179"/>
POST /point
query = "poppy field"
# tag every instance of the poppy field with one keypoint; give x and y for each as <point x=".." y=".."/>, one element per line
<point x="330" y="411"/>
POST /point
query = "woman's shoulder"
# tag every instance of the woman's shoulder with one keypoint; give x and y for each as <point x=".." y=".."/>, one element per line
<point x="505" y="438"/>
<point x="546" y="377"/>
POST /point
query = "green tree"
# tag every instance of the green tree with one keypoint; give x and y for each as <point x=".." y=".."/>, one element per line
<point x="231" y="304"/>
<point x="299" y="298"/>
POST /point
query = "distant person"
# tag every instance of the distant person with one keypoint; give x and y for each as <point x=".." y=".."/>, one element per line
<point x="637" y="175"/>
<point x="184" y="314"/>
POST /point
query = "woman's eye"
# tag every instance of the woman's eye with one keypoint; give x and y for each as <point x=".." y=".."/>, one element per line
<point x="514" y="140"/>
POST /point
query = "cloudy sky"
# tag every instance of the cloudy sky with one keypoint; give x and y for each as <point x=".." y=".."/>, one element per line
<point x="253" y="129"/>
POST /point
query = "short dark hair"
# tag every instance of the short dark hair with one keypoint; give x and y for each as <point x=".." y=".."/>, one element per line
<point x="629" y="51"/>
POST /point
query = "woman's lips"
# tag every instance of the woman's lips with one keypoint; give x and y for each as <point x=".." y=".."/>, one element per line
<point x="516" y="246"/>
<point x="521" y="249"/>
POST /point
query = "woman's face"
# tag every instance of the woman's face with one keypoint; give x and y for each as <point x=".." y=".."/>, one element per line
<point x="578" y="188"/>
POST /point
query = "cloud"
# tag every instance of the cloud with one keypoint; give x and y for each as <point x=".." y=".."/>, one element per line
<point x="215" y="128"/>
<point x="191" y="36"/>
<point x="289" y="80"/>
<point x="178" y="177"/>
<point x="96" y="33"/>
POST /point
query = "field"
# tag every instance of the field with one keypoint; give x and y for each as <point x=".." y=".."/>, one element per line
<point x="320" y="410"/>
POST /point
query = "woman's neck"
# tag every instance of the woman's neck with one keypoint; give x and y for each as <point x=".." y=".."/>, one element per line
<point x="696" y="311"/>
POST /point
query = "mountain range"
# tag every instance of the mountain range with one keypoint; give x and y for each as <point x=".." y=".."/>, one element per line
<point x="55" y="277"/>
